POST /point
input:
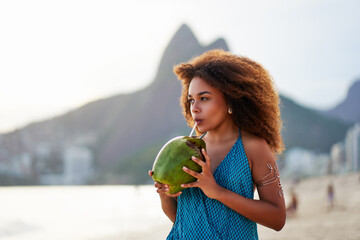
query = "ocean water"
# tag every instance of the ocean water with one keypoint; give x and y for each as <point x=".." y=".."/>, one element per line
<point x="81" y="213"/>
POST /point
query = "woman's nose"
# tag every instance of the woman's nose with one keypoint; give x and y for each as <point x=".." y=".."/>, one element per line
<point x="195" y="107"/>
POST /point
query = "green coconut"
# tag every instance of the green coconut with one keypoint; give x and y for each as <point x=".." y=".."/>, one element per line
<point x="173" y="156"/>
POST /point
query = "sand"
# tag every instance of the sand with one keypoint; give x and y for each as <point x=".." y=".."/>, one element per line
<point x="314" y="218"/>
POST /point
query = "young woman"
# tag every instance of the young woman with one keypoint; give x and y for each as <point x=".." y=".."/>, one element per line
<point x="232" y="99"/>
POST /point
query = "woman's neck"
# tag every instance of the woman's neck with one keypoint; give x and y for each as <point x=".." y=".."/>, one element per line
<point x="225" y="132"/>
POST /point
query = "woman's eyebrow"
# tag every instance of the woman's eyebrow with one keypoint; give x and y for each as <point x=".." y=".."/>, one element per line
<point x="201" y="93"/>
<point x="204" y="92"/>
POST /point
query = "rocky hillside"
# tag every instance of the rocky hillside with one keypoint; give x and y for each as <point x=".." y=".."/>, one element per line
<point x="348" y="110"/>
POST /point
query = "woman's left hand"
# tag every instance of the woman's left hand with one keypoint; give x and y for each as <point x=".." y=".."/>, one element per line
<point x="205" y="179"/>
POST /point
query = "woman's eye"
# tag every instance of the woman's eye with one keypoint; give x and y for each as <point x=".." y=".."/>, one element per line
<point x="191" y="101"/>
<point x="204" y="98"/>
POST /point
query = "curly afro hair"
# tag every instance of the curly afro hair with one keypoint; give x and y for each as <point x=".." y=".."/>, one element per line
<point x="247" y="86"/>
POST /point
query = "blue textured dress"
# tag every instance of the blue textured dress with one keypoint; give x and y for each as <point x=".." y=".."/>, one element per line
<point x="199" y="217"/>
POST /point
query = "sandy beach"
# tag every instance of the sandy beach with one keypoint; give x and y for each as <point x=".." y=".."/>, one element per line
<point x="314" y="219"/>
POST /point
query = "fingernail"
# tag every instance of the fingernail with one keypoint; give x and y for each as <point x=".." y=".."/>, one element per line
<point x="185" y="168"/>
<point x="194" y="158"/>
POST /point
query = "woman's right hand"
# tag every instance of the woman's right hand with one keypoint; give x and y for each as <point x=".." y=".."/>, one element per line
<point x="162" y="189"/>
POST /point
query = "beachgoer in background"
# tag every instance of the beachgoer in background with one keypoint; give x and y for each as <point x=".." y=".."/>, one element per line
<point x="291" y="209"/>
<point x="331" y="196"/>
<point x="295" y="180"/>
<point x="234" y="101"/>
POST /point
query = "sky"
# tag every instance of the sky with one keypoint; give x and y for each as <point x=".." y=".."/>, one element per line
<point x="56" y="56"/>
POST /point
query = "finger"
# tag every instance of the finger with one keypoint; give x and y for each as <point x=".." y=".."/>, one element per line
<point x="173" y="195"/>
<point x="151" y="173"/>
<point x="162" y="190"/>
<point x="198" y="161"/>
<point x="161" y="186"/>
<point x="158" y="185"/>
<point x="206" y="156"/>
<point x="191" y="172"/>
<point x="189" y="185"/>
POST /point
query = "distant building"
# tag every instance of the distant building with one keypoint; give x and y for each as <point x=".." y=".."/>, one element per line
<point x="337" y="158"/>
<point x="42" y="152"/>
<point x="52" y="179"/>
<point x="78" y="165"/>
<point x="18" y="166"/>
<point x="304" y="163"/>
<point x="352" y="148"/>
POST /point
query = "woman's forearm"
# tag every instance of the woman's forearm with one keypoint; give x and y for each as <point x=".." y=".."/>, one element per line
<point x="169" y="206"/>
<point x="260" y="211"/>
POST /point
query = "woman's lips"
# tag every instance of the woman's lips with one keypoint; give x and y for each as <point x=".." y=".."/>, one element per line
<point x="198" y="121"/>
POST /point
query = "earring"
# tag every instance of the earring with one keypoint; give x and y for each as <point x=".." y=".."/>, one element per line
<point x="230" y="110"/>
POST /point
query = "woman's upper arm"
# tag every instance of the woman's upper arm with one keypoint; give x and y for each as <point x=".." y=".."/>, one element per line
<point x="265" y="173"/>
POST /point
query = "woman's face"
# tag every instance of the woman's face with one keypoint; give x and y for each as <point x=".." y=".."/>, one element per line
<point x="207" y="105"/>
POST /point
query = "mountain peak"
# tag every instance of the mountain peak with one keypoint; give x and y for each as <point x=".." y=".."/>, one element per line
<point x="348" y="110"/>
<point x="183" y="40"/>
<point x="182" y="45"/>
<point x="184" y="32"/>
<point x="354" y="91"/>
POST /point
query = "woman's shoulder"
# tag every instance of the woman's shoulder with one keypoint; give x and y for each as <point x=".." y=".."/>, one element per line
<point x="256" y="148"/>
<point x="253" y="142"/>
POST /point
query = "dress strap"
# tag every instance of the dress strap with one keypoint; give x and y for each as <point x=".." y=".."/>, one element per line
<point x="203" y="135"/>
